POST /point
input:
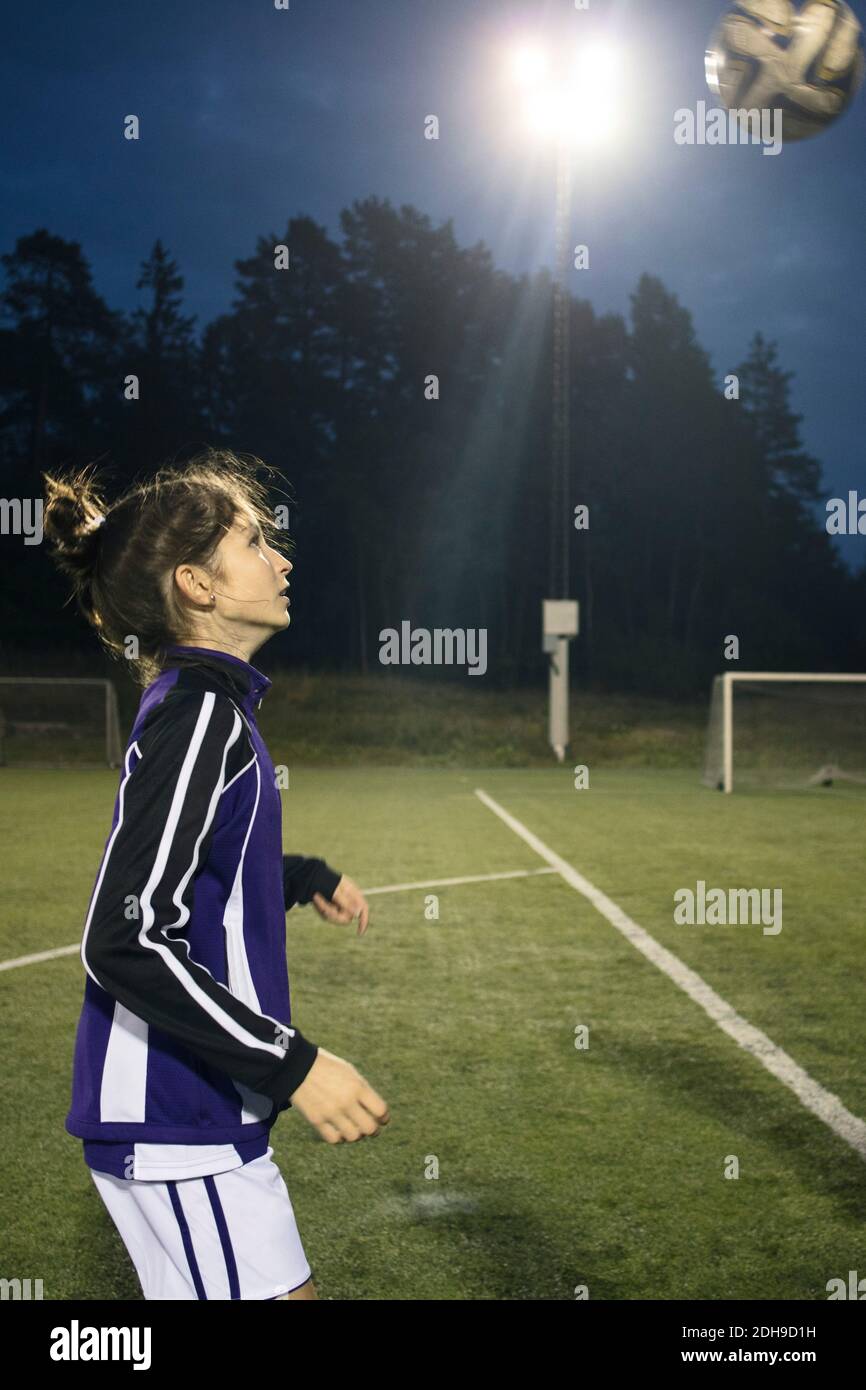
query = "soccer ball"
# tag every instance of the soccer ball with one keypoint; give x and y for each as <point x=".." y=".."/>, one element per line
<point x="807" y="61"/>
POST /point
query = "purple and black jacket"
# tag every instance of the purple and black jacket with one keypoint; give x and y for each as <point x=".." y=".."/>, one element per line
<point x="185" y="1053"/>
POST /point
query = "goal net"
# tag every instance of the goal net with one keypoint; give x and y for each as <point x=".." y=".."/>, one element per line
<point x="55" y="722"/>
<point x="786" y="730"/>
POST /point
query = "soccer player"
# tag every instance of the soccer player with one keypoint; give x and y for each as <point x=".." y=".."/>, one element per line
<point x="185" y="1052"/>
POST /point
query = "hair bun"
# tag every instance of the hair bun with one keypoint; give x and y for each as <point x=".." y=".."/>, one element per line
<point x="72" y="521"/>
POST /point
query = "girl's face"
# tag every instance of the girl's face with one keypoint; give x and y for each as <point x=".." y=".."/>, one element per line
<point x="251" y="598"/>
<point x="255" y="573"/>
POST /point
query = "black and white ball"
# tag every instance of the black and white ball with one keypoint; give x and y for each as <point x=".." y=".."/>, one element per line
<point x="806" y="60"/>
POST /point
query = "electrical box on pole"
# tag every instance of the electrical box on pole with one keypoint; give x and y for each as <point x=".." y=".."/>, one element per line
<point x="560" y="622"/>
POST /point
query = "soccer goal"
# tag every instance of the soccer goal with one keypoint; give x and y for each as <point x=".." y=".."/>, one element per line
<point x="786" y="729"/>
<point x="52" y="721"/>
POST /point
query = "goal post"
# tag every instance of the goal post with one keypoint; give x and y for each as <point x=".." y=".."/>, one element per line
<point x="788" y="728"/>
<point x="59" y="721"/>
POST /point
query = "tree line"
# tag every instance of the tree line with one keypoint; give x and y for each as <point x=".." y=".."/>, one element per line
<point x="401" y="384"/>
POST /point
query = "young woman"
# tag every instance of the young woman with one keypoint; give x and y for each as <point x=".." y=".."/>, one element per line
<point x="185" y="1053"/>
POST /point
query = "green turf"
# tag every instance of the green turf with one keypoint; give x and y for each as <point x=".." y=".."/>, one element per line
<point x="556" y="1167"/>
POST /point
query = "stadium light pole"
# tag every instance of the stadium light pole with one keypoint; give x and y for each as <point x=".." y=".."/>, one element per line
<point x="574" y="106"/>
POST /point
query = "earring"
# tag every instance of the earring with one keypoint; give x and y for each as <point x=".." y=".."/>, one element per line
<point x="213" y="598"/>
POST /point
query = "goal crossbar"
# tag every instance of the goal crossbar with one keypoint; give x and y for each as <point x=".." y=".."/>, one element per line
<point x="729" y="678"/>
<point x="113" y="749"/>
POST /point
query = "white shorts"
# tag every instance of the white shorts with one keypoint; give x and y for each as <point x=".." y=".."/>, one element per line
<point x="231" y="1235"/>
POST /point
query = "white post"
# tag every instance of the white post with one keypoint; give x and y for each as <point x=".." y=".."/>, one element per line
<point x="557" y="724"/>
<point x="728" y="730"/>
<point x="114" y="748"/>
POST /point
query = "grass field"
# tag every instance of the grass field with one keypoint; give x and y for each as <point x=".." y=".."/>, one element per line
<point x="557" y="1167"/>
<point x="391" y="720"/>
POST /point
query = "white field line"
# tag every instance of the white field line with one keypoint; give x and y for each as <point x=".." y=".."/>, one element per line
<point x="446" y="882"/>
<point x="40" y="955"/>
<point x="810" y="1093"/>
<point x="368" y="893"/>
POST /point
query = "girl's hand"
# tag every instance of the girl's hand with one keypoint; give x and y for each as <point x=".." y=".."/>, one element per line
<point x="348" y="902"/>
<point x="339" y="1101"/>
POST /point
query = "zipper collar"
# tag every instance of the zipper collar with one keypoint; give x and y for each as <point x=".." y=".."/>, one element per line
<point x="253" y="684"/>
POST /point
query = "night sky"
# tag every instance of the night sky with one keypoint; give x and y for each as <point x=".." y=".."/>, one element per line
<point x="252" y="115"/>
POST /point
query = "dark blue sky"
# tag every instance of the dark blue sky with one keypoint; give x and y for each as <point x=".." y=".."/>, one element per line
<point x="251" y="116"/>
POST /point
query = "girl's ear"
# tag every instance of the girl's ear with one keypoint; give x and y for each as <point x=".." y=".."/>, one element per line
<point x="193" y="584"/>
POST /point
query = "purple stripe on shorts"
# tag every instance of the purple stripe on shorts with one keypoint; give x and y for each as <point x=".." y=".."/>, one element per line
<point x="225" y="1240"/>
<point x="187" y="1239"/>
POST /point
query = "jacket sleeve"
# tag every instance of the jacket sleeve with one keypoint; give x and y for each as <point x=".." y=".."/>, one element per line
<point x="303" y="877"/>
<point x="133" y="944"/>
